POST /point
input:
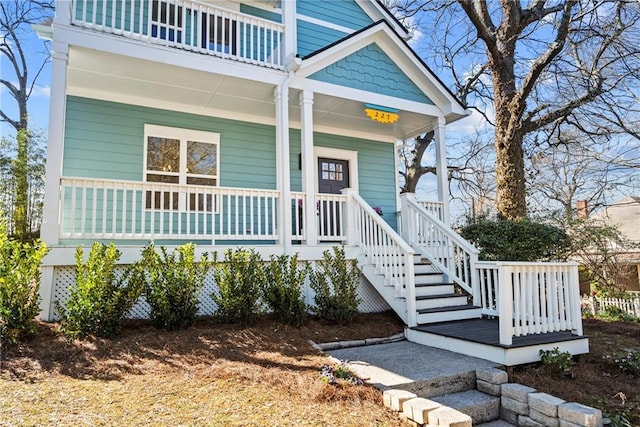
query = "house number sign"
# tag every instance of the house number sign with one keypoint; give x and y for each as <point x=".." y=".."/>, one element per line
<point x="381" y="114"/>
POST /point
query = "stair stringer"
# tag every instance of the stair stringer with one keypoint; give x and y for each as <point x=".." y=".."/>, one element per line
<point x="380" y="284"/>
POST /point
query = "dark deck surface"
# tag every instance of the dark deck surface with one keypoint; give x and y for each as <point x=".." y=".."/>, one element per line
<point x="486" y="331"/>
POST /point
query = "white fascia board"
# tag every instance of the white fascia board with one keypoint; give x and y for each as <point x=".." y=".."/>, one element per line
<point x="376" y="12"/>
<point x="359" y="95"/>
<point x="45" y="32"/>
<point x="166" y="55"/>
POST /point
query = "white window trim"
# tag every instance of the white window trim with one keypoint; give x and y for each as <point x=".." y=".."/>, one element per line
<point x="183" y="135"/>
<point x="338" y="154"/>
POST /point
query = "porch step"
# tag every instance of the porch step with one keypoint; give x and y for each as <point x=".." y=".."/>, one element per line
<point x="445" y="314"/>
<point x="479" y="406"/>
<point x="438" y="301"/>
<point x="430" y="278"/>
<point x="426" y="289"/>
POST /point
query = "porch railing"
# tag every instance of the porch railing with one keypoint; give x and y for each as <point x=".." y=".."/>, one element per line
<point x="111" y="209"/>
<point x="188" y="25"/>
<point x="530" y="298"/>
<point x="134" y="210"/>
<point x="434" y="208"/>
<point x="391" y="256"/>
<point x="444" y="248"/>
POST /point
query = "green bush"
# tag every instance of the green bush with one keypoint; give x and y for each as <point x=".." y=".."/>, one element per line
<point x="335" y="283"/>
<point x="172" y="283"/>
<point x="282" y="288"/>
<point x="523" y="240"/>
<point x="616" y="314"/>
<point x="561" y="361"/>
<point x="19" y="286"/>
<point x="100" y="301"/>
<point x="239" y="277"/>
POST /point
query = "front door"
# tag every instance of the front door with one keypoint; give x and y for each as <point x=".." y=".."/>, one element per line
<point x="333" y="176"/>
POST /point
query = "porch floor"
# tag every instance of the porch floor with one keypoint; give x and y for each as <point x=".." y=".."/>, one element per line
<point x="486" y="331"/>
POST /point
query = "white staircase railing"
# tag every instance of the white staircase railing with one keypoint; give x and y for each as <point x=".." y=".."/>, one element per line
<point x="443" y="247"/>
<point x="381" y="246"/>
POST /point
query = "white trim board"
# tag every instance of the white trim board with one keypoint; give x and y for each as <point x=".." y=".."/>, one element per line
<point x="338" y="154"/>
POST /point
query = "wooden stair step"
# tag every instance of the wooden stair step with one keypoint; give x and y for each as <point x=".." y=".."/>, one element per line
<point x="440" y="296"/>
<point x="448" y="308"/>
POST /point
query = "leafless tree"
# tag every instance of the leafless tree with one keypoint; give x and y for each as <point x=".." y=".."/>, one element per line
<point x="535" y="65"/>
<point x="412" y="161"/>
<point x="16" y="18"/>
<point x="572" y="169"/>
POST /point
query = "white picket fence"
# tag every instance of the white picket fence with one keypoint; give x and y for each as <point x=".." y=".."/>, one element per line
<point x="596" y="305"/>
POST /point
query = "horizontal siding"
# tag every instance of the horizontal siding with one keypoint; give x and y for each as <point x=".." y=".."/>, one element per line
<point x="340" y="12"/>
<point x="260" y="13"/>
<point x="372" y="70"/>
<point x="312" y="37"/>
<point x="106" y="140"/>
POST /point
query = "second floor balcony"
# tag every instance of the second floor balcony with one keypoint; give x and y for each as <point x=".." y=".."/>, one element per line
<point x="189" y="25"/>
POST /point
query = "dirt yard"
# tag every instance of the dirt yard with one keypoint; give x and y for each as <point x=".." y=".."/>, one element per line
<point x="266" y="374"/>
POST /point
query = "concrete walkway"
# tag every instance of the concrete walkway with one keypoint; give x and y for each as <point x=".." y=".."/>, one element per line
<point x="404" y="362"/>
<point x="423" y="370"/>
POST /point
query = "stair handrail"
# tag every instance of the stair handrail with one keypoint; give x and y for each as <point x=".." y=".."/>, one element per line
<point x="390" y="255"/>
<point x="449" y="252"/>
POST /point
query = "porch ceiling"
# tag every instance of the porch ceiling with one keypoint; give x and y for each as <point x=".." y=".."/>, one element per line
<point x="155" y="84"/>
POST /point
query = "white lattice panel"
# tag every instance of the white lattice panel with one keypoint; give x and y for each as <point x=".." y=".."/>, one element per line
<point x="372" y="301"/>
<point x="65" y="277"/>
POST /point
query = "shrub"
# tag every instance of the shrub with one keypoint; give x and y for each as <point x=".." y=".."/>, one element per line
<point x="335" y="283"/>
<point x="616" y="314"/>
<point x="238" y="277"/>
<point x="561" y="361"/>
<point x="523" y="240"/>
<point x="282" y="288"/>
<point x="100" y="301"/>
<point x="19" y="287"/>
<point x="628" y="361"/>
<point x="172" y="283"/>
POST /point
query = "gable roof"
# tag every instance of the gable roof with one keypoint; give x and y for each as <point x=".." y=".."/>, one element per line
<point x="384" y="34"/>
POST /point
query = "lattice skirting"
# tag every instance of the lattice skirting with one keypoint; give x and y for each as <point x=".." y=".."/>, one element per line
<point x="64" y="277"/>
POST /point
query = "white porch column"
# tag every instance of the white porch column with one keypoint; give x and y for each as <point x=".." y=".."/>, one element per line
<point x="63" y="12"/>
<point x="53" y="171"/>
<point x="308" y="176"/>
<point x="290" y="32"/>
<point x="441" y="168"/>
<point x="283" y="173"/>
<point x="57" y="110"/>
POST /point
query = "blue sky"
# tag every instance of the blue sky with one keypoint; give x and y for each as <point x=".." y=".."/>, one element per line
<point x="39" y="102"/>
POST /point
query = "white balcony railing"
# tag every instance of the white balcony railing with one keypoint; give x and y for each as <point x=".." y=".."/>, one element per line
<point x="189" y="25"/>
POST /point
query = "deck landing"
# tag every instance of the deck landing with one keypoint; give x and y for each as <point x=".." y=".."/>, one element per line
<point x="481" y="338"/>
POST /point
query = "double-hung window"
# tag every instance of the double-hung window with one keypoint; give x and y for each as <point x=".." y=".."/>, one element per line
<point x="185" y="158"/>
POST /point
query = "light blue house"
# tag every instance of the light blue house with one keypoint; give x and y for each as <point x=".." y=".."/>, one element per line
<point x="273" y="124"/>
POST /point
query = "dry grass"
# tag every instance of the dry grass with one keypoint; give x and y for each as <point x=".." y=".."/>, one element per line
<point x="594" y="380"/>
<point x="210" y="374"/>
<point x="264" y="375"/>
